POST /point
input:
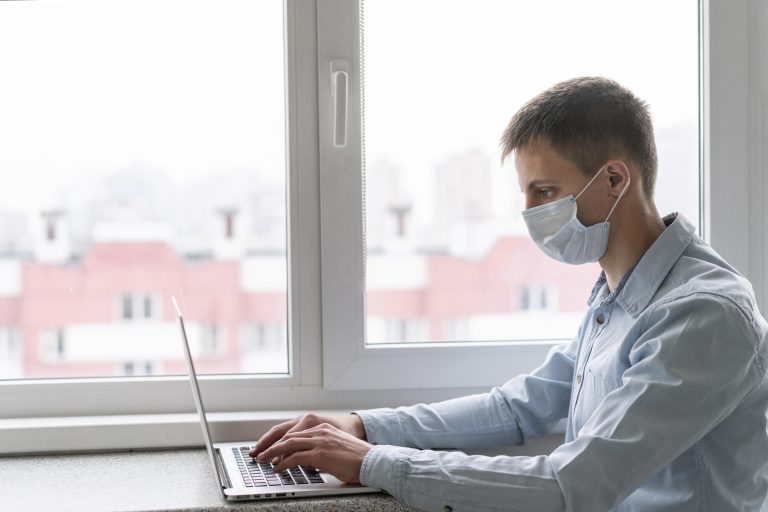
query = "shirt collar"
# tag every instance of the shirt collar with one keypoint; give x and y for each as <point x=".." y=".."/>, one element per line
<point x="600" y="290"/>
<point x="639" y="284"/>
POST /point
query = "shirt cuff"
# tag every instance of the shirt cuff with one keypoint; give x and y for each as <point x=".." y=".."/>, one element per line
<point x="382" y="426"/>
<point x="384" y="468"/>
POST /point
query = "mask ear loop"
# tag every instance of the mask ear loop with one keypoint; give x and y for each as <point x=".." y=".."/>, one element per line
<point x="590" y="182"/>
<point x="618" y="199"/>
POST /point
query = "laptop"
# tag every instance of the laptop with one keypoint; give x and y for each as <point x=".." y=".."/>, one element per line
<point x="240" y="477"/>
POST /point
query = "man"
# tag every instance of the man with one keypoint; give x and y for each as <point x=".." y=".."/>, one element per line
<point x="663" y="387"/>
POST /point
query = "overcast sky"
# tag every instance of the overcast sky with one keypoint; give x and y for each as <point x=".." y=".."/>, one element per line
<point x="449" y="75"/>
<point x="196" y="88"/>
<point x="187" y="88"/>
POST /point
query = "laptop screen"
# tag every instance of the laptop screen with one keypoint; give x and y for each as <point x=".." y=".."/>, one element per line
<point x="197" y="396"/>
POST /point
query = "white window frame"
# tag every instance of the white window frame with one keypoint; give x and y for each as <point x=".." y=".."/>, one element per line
<point x="731" y="81"/>
<point x="147" y="401"/>
<point x="348" y="363"/>
<point x="330" y="366"/>
<point x="734" y="134"/>
<point x="115" y="395"/>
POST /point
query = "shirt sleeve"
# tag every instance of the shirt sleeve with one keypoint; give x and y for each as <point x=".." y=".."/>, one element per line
<point x="690" y="368"/>
<point x="440" y="481"/>
<point x="526" y="406"/>
<point x="695" y="361"/>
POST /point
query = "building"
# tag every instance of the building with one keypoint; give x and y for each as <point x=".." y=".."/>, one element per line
<point x="109" y="312"/>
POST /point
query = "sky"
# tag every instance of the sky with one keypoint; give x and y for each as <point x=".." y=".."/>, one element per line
<point x="458" y="70"/>
<point x="186" y="88"/>
<point x="193" y="89"/>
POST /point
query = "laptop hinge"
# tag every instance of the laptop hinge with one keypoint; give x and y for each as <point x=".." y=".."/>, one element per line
<point x="224" y="476"/>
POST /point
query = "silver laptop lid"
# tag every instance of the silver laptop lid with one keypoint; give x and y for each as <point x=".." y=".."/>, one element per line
<point x="198" y="400"/>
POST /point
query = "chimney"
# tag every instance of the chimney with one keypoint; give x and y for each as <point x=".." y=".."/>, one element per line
<point x="398" y="235"/>
<point x="228" y="244"/>
<point x="229" y="223"/>
<point x="52" y="244"/>
<point x="400" y="211"/>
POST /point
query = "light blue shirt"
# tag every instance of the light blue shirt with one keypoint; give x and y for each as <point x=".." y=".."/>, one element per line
<point x="664" y="390"/>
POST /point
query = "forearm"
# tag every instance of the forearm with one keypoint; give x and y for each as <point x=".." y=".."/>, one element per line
<point x="526" y="406"/>
<point x="476" y="421"/>
<point x="433" y="480"/>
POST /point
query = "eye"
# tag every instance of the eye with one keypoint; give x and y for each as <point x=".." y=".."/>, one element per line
<point x="546" y="193"/>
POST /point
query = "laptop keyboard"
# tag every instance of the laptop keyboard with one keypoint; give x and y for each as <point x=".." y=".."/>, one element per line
<point x="257" y="474"/>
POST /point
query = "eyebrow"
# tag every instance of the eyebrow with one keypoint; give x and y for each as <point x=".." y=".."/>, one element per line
<point x="537" y="183"/>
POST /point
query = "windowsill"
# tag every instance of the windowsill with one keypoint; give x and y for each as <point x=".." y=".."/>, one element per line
<point x="163" y="480"/>
<point x="160" y="480"/>
<point x="170" y="480"/>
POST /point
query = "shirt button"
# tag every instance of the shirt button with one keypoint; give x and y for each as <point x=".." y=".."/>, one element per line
<point x="447" y="508"/>
<point x="600" y="318"/>
<point x="578" y="379"/>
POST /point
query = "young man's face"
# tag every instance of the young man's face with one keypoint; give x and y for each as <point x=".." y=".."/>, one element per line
<point x="544" y="176"/>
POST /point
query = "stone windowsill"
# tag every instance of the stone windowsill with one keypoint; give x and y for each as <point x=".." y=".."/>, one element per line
<point x="163" y="480"/>
<point x="171" y="480"/>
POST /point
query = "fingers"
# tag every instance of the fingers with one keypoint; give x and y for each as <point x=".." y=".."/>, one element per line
<point x="278" y="431"/>
<point x="285" y="449"/>
<point x="309" y="431"/>
<point x="309" y="420"/>
<point x="295" y="459"/>
<point x="301" y="427"/>
<point x="324" y="447"/>
<point x="274" y="434"/>
<point x="307" y="423"/>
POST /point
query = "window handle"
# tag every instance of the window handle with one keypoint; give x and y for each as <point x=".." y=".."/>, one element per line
<point x="340" y="93"/>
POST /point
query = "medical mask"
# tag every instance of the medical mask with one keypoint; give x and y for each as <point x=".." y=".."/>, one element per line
<point x="557" y="231"/>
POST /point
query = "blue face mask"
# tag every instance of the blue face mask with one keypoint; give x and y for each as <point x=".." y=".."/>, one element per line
<point x="559" y="233"/>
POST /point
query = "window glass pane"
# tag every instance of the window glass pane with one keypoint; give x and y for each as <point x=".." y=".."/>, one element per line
<point x="145" y="145"/>
<point x="448" y="255"/>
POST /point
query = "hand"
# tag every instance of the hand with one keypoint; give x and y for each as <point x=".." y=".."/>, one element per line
<point x="351" y="424"/>
<point x="324" y="447"/>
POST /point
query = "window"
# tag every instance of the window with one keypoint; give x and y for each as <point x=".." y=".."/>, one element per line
<point x="135" y="368"/>
<point x="437" y="233"/>
<point x="210" y="339"/>
<point x="139" y="307"/>
<point x="11" y="355"/>
<point x="9" y="345"/>
<point x="165" y="174"/>
<point x="433" y="186"/>
<point x="147" y="302"/>
<point x="53" y="346"/>
<point x="127" y="309"/>
<point x="262" y="347"/>
<point x="327" y="236"/>
<point x="538" y="297"/>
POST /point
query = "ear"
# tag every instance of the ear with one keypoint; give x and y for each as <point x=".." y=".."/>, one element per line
<point x="619" y="177"/>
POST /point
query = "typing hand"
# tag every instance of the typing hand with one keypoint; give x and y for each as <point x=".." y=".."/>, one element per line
<point x="350" y="424"/>
<point x="324" y="447"/>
